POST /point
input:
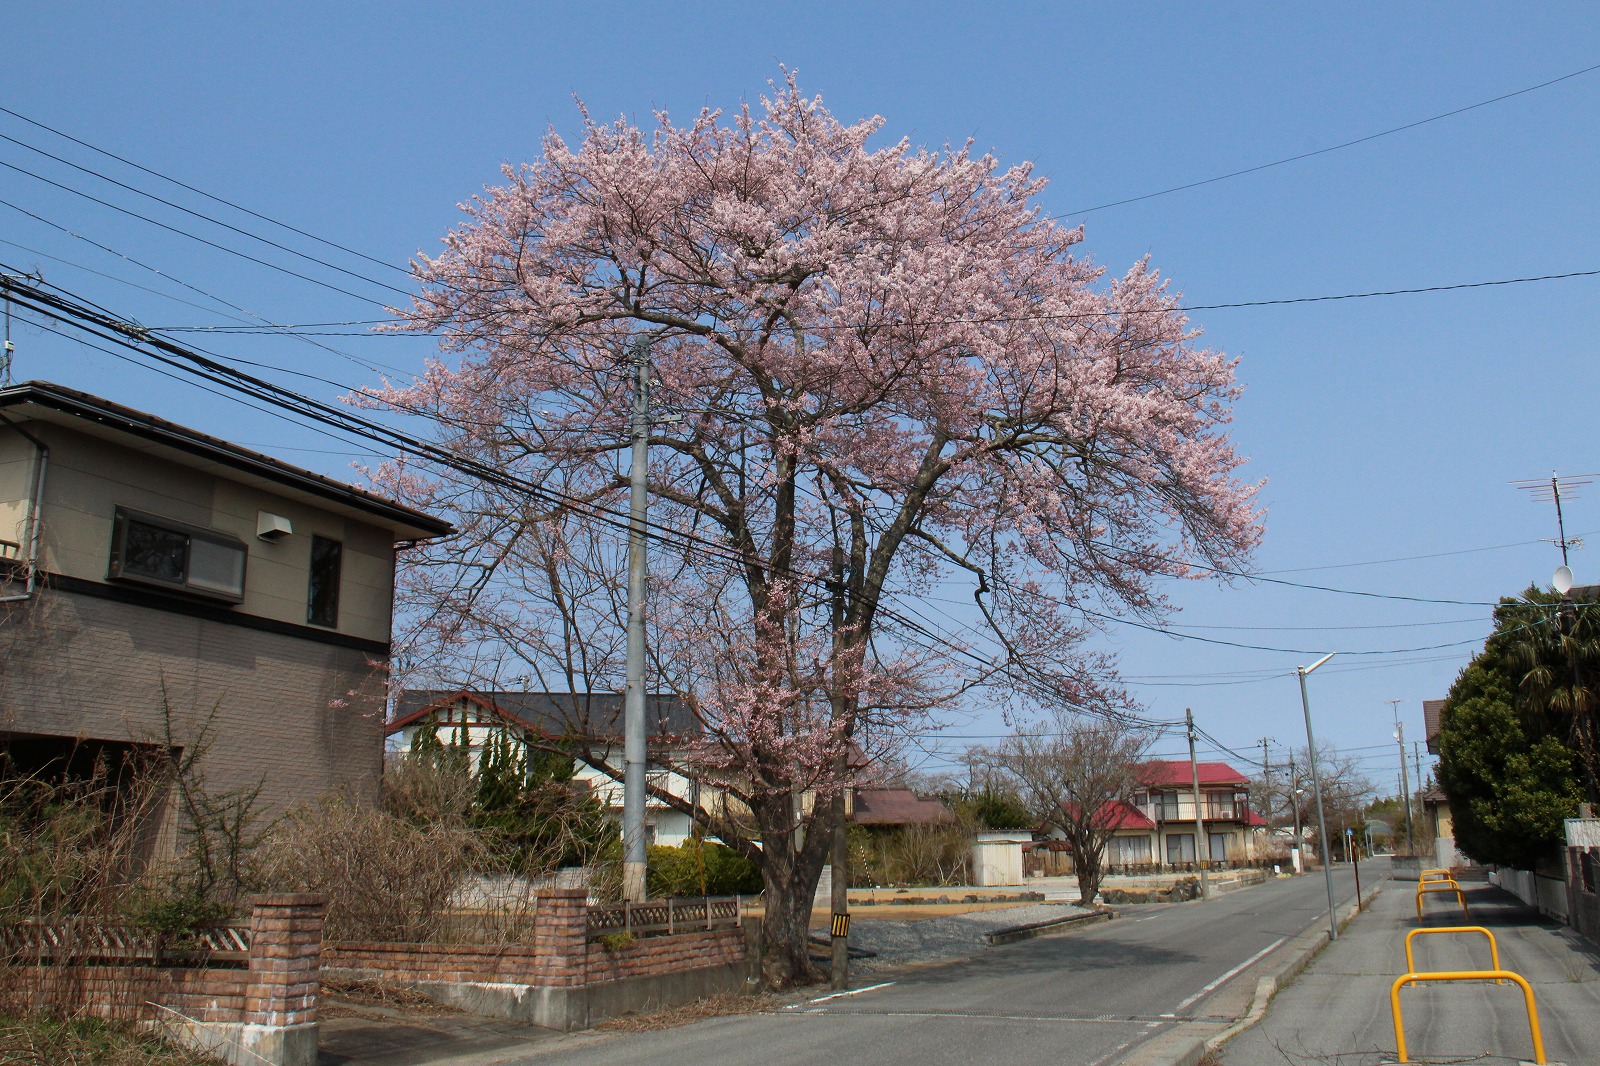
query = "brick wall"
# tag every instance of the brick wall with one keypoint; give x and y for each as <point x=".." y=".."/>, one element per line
<point x="277" y="987"/>
<point x="561" y="955"/>
<point x="654" y="955"/>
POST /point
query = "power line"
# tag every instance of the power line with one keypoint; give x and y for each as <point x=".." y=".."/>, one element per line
<point x="194" y="237"/>
<point x="202" y="192"/>
<point x="1330" y="148"/>
<point x="192" y="213"/>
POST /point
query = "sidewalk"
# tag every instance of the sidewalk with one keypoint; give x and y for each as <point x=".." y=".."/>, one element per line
<point x="1337" y="1011"/>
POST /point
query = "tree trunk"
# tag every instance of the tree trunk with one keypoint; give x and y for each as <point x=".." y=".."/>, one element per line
<point x="789" y="874"/>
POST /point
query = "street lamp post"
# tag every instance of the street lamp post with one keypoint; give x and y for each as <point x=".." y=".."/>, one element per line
<point x="1316" y="788"/>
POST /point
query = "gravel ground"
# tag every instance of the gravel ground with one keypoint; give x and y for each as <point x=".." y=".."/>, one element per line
<point x="957" y="936"/>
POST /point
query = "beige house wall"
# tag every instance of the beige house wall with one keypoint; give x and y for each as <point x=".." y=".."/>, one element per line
<point x="89" y="478"/>
<point x="79" y="666"/>
<point x="17" y="458"/>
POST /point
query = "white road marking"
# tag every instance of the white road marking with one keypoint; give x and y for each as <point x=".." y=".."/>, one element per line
<point x="836" y="995"/>
<point x="1231" y="973"/>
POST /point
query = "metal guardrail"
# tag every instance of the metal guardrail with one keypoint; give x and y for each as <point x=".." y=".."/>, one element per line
<point x="1426" y="888"/>
<point x="1494" y="948"/>
<point x="83" y="940"/>
<point x="667" y="916"/>
<point x="1464" y="975"/>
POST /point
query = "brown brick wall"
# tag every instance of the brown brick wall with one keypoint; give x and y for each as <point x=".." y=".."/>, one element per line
<point x="653" y="955"/>
<point x="285" y="958"/>
<point x="133" y="992"/>
<point x="561" y="954"/>
<point x="92" y="668"/>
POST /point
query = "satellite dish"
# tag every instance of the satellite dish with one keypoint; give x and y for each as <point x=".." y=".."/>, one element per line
<point x="1563" y="580"/>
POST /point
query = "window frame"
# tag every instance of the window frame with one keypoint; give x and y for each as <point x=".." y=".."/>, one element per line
<point x="312" y="615"/>
<point x="117" y="568"/>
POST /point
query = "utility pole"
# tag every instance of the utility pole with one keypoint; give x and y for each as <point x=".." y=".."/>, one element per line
<point x="1405" y="785"/>
<point x="1266" y="777"/>
<point x="840" y="878"/>
<point x="633" y="778"/>
<point x="1294" y="802"/>
<point x="1202" y="846"/>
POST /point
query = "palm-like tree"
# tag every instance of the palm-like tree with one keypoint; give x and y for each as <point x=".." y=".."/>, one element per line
<point x="1555" y="644"/>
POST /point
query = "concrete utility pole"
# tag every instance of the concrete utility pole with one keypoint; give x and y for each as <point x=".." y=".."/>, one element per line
<point x="1405" y="784"/>
<point x="1294" y="803"/>
<point x="839" y="926"/>
<point x="1202" y="847"/>
<point x="633" y="777"/>
<point x="1316" y="788"/>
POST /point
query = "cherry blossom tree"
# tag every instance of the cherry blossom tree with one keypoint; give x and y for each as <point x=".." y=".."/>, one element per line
<point x="890" y="372"/>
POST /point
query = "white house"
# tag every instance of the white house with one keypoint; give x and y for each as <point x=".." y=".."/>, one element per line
<point x="477" y="717"/>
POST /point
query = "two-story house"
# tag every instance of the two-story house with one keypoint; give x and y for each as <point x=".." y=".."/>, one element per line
<point x="473" y="718"/>
<point x="157" y="584"/>
<point x="1160" y="825"/>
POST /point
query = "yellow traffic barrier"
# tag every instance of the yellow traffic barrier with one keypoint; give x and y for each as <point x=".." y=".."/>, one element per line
<point x="1434" y="875"/>
<point x="1464" y="975"/>
<point x="1430" y="887"/>
<point x="1494" y="949"/>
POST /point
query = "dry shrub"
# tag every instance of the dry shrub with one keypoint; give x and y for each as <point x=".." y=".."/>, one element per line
<point x="386" y="879"/>
<point x="911" y="855"/>
<point x="38" y="1040"/>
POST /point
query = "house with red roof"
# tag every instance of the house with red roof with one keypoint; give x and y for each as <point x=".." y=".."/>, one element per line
<point x="1166" y="830"/>
<point x="1158" y="827"/>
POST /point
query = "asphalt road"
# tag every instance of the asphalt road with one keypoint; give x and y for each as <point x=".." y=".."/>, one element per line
<point x="1079" y="999"/>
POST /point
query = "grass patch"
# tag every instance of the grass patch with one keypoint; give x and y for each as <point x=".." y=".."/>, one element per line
<point x="38" y="1040"/>
<point x="358" y="992"/>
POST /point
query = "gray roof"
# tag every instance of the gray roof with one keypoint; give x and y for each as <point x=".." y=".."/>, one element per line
<point x="595" y="715"/>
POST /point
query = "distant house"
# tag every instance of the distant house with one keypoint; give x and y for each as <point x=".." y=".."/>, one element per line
<point x="1435" y="804"/>
<point x="474" y="718"/>
<point x="895" y="808"/>
<point x="1158" y="827"/>
<point x="154" y="576"/>
<point x="1166" y="800"/>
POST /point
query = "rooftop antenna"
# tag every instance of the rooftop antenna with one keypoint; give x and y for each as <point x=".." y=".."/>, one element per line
<point x="1552" y="489"/>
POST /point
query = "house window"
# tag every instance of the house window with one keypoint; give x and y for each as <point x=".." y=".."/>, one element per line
<point x="1129" y="850"/>
<point x="322" y="599"/>
<point x="1180" y="847"/>
<point x="159" y="551"/>
<point x="1219" y="846"/>
<point x="1166" y="806"/>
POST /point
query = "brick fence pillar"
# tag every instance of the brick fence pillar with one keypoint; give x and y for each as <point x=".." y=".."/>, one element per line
<point x="561" y="933"/>
<point x="285" y="956"/>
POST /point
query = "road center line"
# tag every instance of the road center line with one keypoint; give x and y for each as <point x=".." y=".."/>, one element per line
<point x="1231" y="973"/>
<point x="836" y="995"/>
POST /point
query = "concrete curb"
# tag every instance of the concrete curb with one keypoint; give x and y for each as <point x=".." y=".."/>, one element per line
<point x="1185" y="1046"/>
<point x="1014" y="933"/>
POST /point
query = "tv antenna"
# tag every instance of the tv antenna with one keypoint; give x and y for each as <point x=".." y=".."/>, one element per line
<point x="1552" y="489"/>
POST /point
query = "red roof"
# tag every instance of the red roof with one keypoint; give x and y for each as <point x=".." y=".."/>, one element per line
<point x="1252" y="818"/>
<point x="1171" y="773"/>
<point x="1117" y="816"/>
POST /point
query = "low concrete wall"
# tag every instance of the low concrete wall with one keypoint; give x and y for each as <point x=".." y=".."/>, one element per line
<point x="1546" y="894"/>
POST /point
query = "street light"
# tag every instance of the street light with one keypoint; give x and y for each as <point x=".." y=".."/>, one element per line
<point x="1316" y="788"/>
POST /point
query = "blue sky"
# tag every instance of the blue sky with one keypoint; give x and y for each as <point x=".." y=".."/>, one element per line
<point x="1388" y="428"/>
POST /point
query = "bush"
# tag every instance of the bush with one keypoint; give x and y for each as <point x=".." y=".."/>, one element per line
<point x="700" y="868"/>
<point x="386" y="878"/>
<point x="910" y="855"/>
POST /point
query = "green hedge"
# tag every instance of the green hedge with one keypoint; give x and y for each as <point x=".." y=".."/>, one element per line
<point x="697" y="868"/>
